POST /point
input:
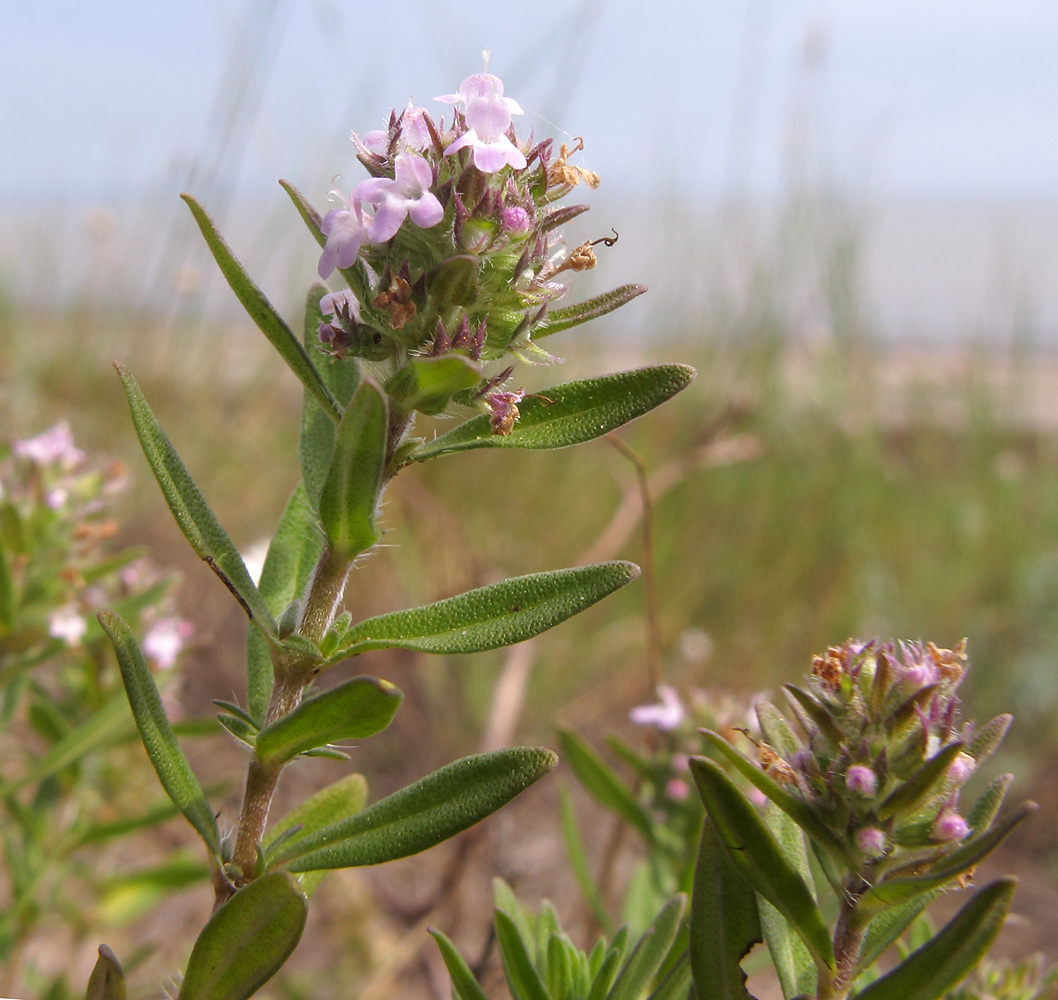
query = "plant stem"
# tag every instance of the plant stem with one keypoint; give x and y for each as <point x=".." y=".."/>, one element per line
<point x="848" y="938"/>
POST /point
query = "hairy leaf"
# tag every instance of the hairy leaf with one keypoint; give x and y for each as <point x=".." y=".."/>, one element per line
<point x="568" y="414"/>
<point x="562" y="319"/>
<point x="169" y="762"/>
<point x="247" y="940"/>
<point x="423" y="814"/>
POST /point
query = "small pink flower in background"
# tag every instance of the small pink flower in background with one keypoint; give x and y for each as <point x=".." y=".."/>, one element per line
<point x="677" y="789"/>
<point x="68" y="624"/>
<point x="871" y="841"/>
<point x="407" y="194"/>
<point x="667" y="714"/>
<point x="488" y="116"/>
<point x="346" y="230"/>
<point x="164" y="640"/>
<point x="53" y="447"/>
<point x="950" y="826"/>
<point x="56" y="498"/>
<point x="861" y="780"/>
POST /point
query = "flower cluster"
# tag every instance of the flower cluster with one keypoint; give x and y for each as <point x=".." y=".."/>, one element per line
<point x="884" y="753"/>
<point x="56" y="526"/>
<point x="452" y="243"/>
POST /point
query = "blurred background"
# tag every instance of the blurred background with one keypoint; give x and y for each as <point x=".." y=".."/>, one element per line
<point x="847" y="214"/>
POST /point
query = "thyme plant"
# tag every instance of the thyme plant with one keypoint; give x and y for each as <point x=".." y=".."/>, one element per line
<point x="451" y="266"/>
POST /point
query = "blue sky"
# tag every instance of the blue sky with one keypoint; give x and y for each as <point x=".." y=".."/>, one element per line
<point x="119" y="98"/>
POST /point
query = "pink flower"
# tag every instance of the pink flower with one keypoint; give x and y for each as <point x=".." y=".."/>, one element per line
<point x="346" y="230"/>
<point x="861" y="781"/>
<point x="53" y="447"/>
<point x="488" y="116"/>
<point x="407" y="194"/>
<point x="871" y="841"/>
<point x="68" y="624"/>
<point x="343" y="303"/>
<point x="666" y="714"/>
<point x="414" y="133"/>
<point x="677" y="789"/>
<point x="164" y="640"/>
<point x="950" y="826"/>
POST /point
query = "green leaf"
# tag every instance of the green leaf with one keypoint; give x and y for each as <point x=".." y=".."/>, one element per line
<point x="562" y="319"/>
<point x="578" y="863"/>
<point x="792" y="961"/>
<point x="107" y="981"/>
<point x="523" y="980"/>
<point x="988" y="803"/>
<point x="941" y="963"/>
<point x="7" y="595"/>
<point x="987" y="738"/>
<point x="169" y="762"/>
<point x="247" y="940"/>
<point x="193" y="515"/>
<point x="724" y="922"/>
<point x="963" y="858"/>
<point x="755" y="852"/>
<point x="263" y="313"/>
<point x="292" y="554"/>
<point x="777" y="731"/>
<point x="353" y="710"/>
<point x="110" y="724"/>
<point x="350" y="493"/>
<point x="568" y="414"/>
<point x="676" y="983"/>
<point x="464" y="983"/>
<point x="497" y="615"/>
<point x="650" y="952"/>
<point x="888" y="925"/>
<point x="923" y="785"/>
<point x="428" y="384"/>
<point x="794" y="807"/>
<point x="423" y="814"/>
<point x="342" y="377"/>
<point x="604" y="784"/>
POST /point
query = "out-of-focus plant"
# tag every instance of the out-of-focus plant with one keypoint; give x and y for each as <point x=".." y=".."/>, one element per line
<point x="540" y="961"/>
<point x="453" y="261"/>
<point x="861" y="804"/>
<point x="67" y="786"/>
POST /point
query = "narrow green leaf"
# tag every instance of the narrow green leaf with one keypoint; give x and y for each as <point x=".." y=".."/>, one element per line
<point x="650" y="952"/>
<point x="887" y="926"/>
<point x="193" y="515"/>
<point x="794" y="807"/>
<point x="294" y="550"/>
<point x="503" y="898"/>
<point x="242" y="730"/>
<point x="941" y="963"/>
<point x="247" y="940"/>
<point x="423" y="814"/>
<point x="263" y="313"/>
<point x="987" y="805"/>
<point x="676" y="983"/>
<point x="609" y="967"/>
<point x="604" y="784"/>
<point x="342" y="798"/>
<point x="965" y="857"/>
<point x="353" y="710"/>
<point x="350" y="493"/>
<point x="724" y="922"/>
<point x="428" y="384"/>
<point x="792" y="961"/>
<point x="568" y="414"/>
<point x="497" y="615"/>
<point x="777" y="731"/>
<point x="818" y="715"/>
<point x="342" y="378"/>
<point x="578" y="863"/>
<point x="111" y="724"/>
<point x="925" y="783"/>
<point x="7" y="595"/>
<point x="523" y="980"/>
<point x="107" y="981"/>
<point x="987" y="738"/>
<point x="169" y="762"/>
<point x="464" y="982"/>
<point x="752" y="847"/>
<point x="562" y="319"/>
